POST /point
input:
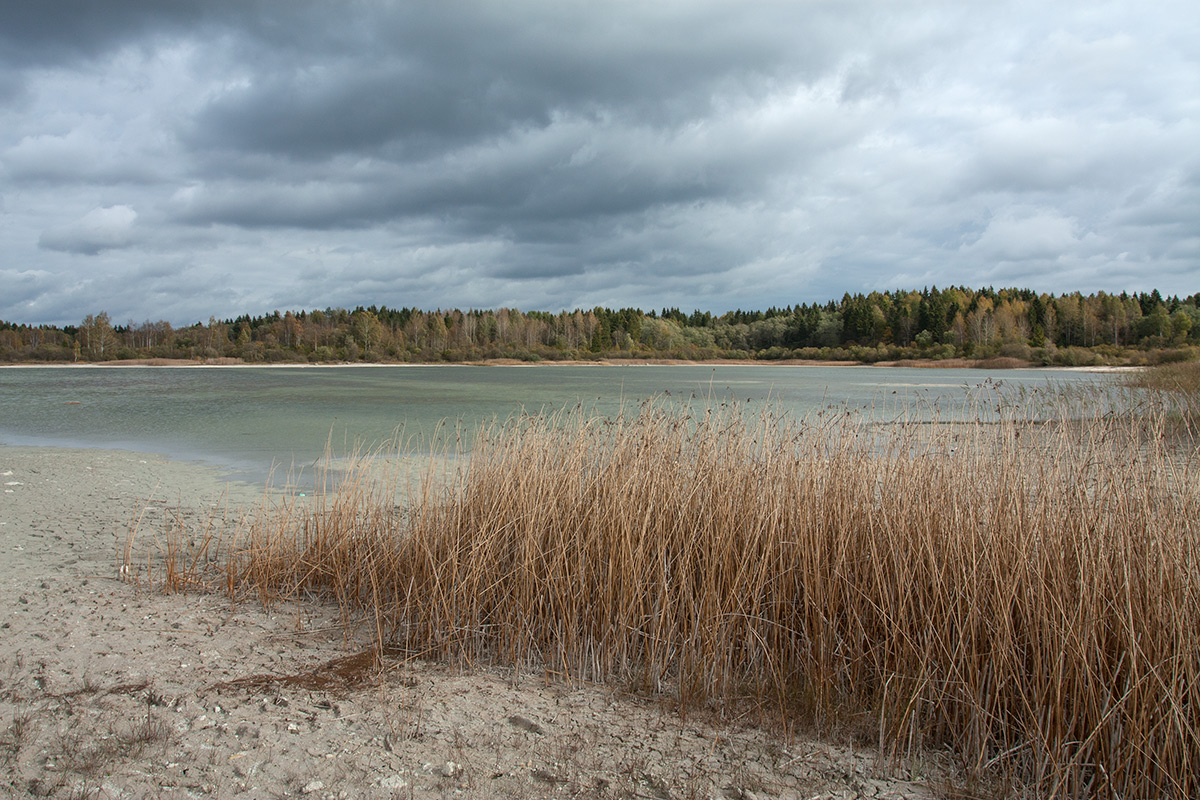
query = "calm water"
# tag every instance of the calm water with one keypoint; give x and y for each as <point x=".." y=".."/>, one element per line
<point x="251" y="419"/>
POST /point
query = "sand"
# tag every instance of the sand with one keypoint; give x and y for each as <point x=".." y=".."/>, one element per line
<point x="109" y="688"/>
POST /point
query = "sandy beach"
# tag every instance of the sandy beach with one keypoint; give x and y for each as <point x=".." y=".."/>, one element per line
<point x="110" y="689"/>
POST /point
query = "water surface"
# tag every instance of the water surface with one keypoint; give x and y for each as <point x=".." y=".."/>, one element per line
<point x="253" y="419"/>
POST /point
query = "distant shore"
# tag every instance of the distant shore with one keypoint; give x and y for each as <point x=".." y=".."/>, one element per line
<point x="998" y="364"/>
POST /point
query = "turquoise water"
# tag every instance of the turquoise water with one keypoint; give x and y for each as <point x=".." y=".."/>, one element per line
<point x="251" y="419"/>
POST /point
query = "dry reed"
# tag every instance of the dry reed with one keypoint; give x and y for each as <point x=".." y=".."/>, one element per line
<point x="1021" y="589"/>
<point x="1178" y="384"/>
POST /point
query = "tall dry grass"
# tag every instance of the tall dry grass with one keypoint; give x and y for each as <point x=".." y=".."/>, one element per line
<point x="1179" y="384"/>
<point x="1018" y="586"/>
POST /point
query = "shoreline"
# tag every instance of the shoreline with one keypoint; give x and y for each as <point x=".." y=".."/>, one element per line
<point x="947" y="364"/>
<point x="112" y="688"/>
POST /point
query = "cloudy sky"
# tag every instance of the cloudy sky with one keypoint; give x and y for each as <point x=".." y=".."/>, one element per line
<point x="176" y="160"/>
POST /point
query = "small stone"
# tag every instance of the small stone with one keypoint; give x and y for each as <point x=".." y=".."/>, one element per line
<point x="393" y="782"/>
<point x="525" y="724"/>
<point x="312" y="786"/>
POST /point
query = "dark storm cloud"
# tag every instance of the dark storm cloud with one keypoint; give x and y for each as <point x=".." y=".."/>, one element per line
<point x="491" y="124"/>
<point x="532" y="181"/>
<point x="49" y="33"/>
<point x="547" y="154"/>
<point x="67" y="31"/>
<point x="420" y="79"/>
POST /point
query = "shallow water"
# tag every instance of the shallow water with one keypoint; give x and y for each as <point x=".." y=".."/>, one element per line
<point x="253" y="420"/>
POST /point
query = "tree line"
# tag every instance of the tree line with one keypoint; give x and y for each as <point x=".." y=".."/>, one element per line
<point x="957" y="322"/>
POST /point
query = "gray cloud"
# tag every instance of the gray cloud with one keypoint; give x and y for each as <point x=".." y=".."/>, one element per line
<point x="547" y="155"/>
<point x="437" y="78"/>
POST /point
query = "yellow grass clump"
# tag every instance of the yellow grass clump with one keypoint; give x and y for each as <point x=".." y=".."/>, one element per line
<point x="1024" y="590"/>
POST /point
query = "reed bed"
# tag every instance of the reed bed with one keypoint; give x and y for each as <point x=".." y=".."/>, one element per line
<point x="1020" y="588"/>
<point x="1178" y="384"/>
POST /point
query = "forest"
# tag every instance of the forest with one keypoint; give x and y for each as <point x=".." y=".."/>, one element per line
<point x="1001" y="326"/>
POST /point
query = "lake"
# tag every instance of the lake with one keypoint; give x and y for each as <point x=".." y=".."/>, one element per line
<point x="250" y="419"/>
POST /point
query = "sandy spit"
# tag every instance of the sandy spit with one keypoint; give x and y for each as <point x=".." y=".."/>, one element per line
<point x="109" y="689"/>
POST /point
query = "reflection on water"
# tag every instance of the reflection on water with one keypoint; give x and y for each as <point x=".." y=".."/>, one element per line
<point x="259" y="420"/>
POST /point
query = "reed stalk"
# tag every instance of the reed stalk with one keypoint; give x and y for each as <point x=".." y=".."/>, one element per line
<point x="1021" y="587"/>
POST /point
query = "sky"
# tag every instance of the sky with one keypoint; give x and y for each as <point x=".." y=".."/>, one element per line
<point x="178" y="160"/>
